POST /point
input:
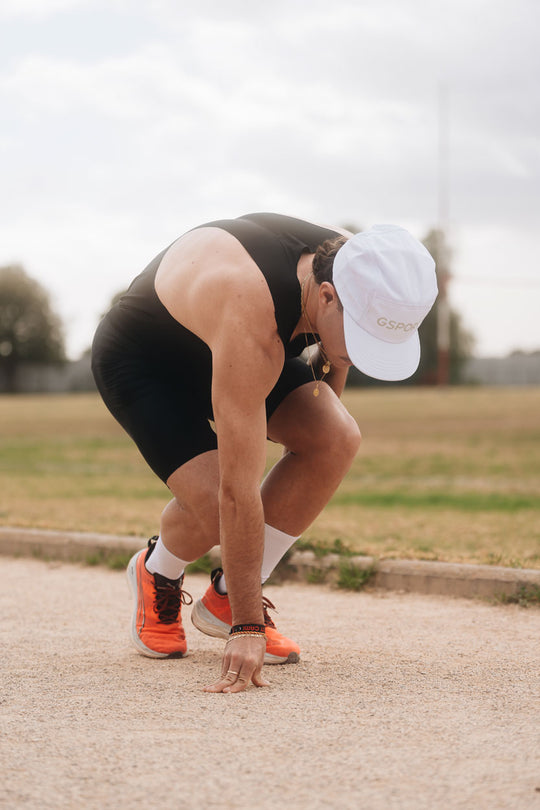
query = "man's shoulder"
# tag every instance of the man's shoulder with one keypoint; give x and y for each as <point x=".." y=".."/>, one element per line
<point x="285" y="223"/>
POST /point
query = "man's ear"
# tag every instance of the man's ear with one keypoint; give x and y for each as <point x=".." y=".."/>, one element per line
<point x="327" y="293"/>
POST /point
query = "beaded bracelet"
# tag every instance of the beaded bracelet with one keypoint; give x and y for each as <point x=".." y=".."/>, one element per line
<point x="242" y="635"/>
<point x="247" y="628"/>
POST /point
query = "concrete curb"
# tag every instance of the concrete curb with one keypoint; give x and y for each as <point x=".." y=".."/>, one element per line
<point x="412" y="576"/>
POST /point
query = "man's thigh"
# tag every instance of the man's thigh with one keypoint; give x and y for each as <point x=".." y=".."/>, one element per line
<point x="295" y="374"/>
<point x="302" y="421"/>
<point x="164" y="418"/>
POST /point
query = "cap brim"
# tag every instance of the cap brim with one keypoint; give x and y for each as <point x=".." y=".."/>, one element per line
<point x="377" y="358"/>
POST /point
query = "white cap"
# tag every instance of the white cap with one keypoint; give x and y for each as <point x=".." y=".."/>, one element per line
<point x="386" y="281"/>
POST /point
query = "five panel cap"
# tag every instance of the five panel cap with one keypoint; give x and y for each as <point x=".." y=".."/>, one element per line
<point x="386" y="281"/>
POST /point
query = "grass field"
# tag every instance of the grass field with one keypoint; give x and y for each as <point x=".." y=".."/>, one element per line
<point x="441" y="475"/>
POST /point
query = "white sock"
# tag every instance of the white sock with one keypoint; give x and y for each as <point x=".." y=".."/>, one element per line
<point x="161" y="561"/>
<point x="276" y="543"/>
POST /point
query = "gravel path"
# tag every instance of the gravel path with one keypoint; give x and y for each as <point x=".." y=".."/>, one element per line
<point x="400" y="701"/>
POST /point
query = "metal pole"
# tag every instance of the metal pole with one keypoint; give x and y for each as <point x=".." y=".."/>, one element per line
<point x="443" y="308"/>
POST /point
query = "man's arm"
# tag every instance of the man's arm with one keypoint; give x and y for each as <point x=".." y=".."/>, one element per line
<point x="246" y="361"/>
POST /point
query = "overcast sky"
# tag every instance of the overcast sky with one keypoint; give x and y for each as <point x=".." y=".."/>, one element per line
<point x="126" y="122"/>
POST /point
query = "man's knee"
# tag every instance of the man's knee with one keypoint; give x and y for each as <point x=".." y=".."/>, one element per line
<point x="333" y="434"/>
<point x="345" y="437"/>
<point x="195" y="522"/>
<point x="195" y="502"/>
<point x="353" y="437"/>
<point x="201" y="507"/>
<point x="306" y="425"/>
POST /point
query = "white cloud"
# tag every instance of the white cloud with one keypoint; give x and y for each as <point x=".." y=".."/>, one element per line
<point x="129" y="88"/>
<point x="37" y="9"/>
<point x="219" y="109"/>
<point x="496" y="287"/>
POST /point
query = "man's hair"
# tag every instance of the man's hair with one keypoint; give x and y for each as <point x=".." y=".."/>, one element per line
<point x="323" y="261"/>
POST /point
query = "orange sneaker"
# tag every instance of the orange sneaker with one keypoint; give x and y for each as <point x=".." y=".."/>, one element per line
<point x="212" y="615"/>
<point x="156" y="628"/>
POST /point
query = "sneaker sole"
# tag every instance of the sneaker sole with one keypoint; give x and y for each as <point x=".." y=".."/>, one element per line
<point x="210" y="625"/>
<point x="141" y="647"/>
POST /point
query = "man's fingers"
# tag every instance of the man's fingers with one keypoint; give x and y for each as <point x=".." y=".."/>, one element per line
<point x="238" y="686"/>
<point x="236" y="682"/>
<point x="241" y="664"/>
<point x="258" y="679"/>
<point x="227" y="679"/>
<point x="219" y="686"/>
<point x="226" y="666"/>
<point x="243" y="682"/>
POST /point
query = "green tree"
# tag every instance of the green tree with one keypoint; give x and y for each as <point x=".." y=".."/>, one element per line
<point x="461" y="339"/>
<point x="30" y="332"/>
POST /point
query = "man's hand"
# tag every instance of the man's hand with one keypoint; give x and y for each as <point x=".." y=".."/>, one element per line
<point x="242" y="664"/>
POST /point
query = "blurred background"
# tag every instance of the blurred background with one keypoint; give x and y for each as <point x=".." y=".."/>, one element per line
<point x="126" y="122"/>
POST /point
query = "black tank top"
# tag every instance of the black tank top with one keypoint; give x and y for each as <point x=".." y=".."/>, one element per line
<point x="273" y="241"/>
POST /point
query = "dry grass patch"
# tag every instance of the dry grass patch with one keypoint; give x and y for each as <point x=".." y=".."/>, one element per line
<point x="441" y="474"/>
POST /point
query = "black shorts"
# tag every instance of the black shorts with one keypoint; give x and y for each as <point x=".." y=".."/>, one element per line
<point x="162" y="402"/>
